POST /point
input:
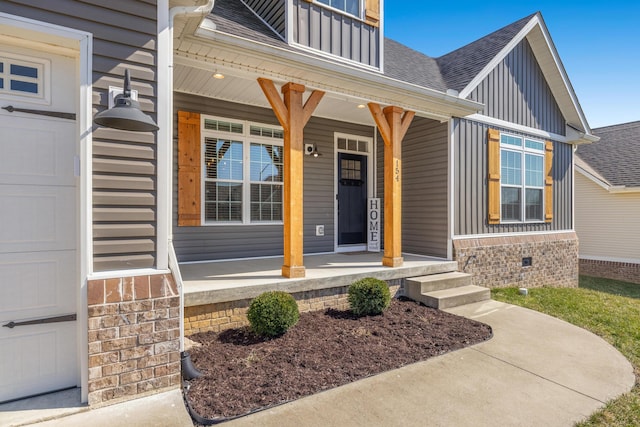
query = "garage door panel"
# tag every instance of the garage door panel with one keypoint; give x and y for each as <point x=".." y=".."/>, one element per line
<point x="42" y="357"/>
<point x="39" y="277"/>
<point x="37" y="284"/>
<point x="37" y="218"/>
<point x="36" y="151"/>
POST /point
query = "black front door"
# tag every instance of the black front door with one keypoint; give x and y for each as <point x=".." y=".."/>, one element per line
<point x="352" y="199"/>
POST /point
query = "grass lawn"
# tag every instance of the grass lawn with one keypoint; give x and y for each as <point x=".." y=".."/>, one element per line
<point x="608" y="308"/>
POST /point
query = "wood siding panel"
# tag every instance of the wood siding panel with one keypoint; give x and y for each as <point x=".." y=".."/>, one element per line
<point x="606" y="223"/>
<point x="124" y="36"/>
<point x="471" y="192"/>
<point x="516" y="91"/>
<point x="424" y="188"/>
<point x="332" y="32"/>
<point x="213" y="242"/>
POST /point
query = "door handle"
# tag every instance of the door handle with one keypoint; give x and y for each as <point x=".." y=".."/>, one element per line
<point x="54" y="319"/>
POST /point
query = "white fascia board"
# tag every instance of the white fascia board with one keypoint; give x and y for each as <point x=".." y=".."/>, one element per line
<point x="323" y="68"/>
<point x="596" y="178"/>
<point x="498" y="58"/>
<point x="533" y="23"/>
<point x="520" y="128"/>
<point x="563" y="74"/>
<point x="600" y="181"/>
<point x="579" y="138"/>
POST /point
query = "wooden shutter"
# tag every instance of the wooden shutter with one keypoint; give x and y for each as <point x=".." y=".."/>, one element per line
<point x="188" y="168"/>
<point x="372" y="12"/>
<point x="493" y="178"/>
<point x="548" y="181"/>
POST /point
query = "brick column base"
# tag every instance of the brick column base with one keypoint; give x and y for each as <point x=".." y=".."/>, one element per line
<point x="134" y="336"/>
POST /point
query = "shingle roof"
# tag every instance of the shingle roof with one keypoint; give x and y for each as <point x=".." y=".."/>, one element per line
<point x="459" y="67"/>
<point x="408" y="65"/>
<point x="617" y="155"/>
<point x="454" y="70"/>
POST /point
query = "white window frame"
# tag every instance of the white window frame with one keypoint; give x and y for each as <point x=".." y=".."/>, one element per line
<point x="43" y="96"/>
<point x="247" y="139"/>
<point x="523" y="150"/>
<point x="359" y="16"/>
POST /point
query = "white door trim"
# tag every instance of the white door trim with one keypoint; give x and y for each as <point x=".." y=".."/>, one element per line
<point x="371" y="174"/>
<point x="79" y="44"/>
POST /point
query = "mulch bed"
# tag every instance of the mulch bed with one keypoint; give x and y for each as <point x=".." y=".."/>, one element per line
<point x="326" y="349"/>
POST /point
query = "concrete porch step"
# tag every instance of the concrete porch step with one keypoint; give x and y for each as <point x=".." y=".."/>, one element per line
<point x="454" y="297"/>
<point x="437" y="282"/>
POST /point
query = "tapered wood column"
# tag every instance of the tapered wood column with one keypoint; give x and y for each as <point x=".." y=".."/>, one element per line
<point x="392" y="123"/>
<point x="293" y="116"/>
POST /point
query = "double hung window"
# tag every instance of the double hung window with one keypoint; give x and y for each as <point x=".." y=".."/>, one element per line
<point x="242" y="172"/>
<point x="522" y="180"/>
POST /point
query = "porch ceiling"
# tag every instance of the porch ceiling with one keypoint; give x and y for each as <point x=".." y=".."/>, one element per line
<point x="243" y="88"/>
<point x="346" y="85"/>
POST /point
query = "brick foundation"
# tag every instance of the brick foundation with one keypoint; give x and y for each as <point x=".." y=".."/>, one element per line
<point x="134" y="336"/>
<point x="497" y="261"/>
<point x="227" y="315"/>
<point x="625" y="271"/>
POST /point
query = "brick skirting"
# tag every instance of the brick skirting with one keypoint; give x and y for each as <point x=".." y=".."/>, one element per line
<point x="498" y="261"/>
<point x="134" y="336"/>
<point x="220" y="316"/>
<point x="625" y="271"/>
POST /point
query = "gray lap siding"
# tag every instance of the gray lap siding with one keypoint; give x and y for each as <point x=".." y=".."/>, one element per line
<point x="212" y="242"/>
<point x="124" y="164"/>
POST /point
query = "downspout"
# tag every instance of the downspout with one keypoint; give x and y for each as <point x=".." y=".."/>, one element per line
<point x="181" y="11"/>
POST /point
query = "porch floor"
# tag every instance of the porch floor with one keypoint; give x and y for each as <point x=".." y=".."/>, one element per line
<point x="222" y="281"/>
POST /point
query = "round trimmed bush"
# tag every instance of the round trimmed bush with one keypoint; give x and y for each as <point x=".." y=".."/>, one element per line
<point x="272" y="313"/>
<point x="369" y="296"/>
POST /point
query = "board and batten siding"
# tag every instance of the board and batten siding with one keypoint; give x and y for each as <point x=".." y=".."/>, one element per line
<point x="424" y="188"/>
<point x="213" y="242"/>
<point x="517" y="92"/>
<point x="606" y="223"/>
<point x="336" y="33"/>
<point x="124" y="163"/>
<point x="470" y="189"/>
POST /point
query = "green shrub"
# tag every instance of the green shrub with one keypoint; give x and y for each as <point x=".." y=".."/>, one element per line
<point x="272" y="313"/>
<point x="369" y="296"/>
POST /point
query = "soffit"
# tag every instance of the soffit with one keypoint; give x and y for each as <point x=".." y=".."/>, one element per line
<point x="247" y="60"/>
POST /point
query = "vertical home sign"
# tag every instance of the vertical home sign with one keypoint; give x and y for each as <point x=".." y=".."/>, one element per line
<point x="373" y="225"/>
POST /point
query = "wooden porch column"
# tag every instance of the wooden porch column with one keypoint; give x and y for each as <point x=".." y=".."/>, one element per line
<point x="392" y="123"/>
<point x="293" y="116"/>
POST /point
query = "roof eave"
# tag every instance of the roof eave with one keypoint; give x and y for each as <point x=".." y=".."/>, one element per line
<point x="581" y="138"/>
<point x="556" y="72"/>
<point x="370" y="82"/>
<point x="586" y="170"/>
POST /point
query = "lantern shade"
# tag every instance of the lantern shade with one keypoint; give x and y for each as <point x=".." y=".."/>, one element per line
<point x="126" y="113"/>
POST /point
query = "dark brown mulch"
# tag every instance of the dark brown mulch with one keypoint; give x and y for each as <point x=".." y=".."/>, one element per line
<point x="324" y="350"/>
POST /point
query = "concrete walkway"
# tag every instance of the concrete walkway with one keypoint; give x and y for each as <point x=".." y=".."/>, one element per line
<point x="535" y="371"/>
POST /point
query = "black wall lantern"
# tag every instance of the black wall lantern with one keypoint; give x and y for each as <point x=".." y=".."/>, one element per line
<point x="126" y="113"/>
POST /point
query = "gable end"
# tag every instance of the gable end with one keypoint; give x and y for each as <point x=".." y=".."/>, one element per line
<point x="517" y="91"/>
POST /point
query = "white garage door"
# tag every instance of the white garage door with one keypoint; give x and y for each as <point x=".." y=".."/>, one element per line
<point x="38" y="224"/>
